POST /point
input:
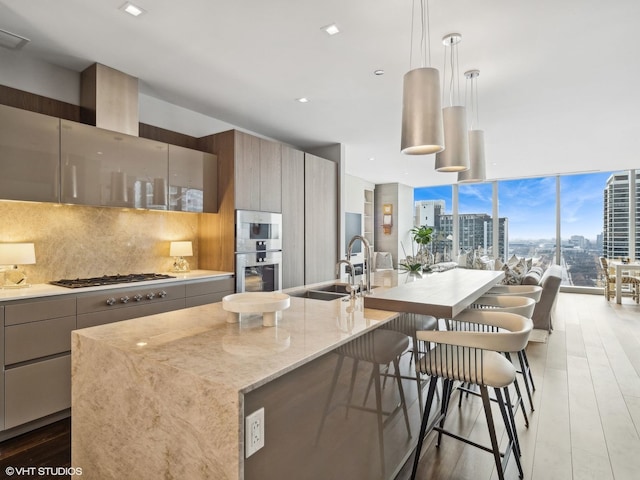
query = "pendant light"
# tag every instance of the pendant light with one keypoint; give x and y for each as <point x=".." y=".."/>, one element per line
<point x="455" y="157"/>
<point x="477" y="169"/>
<point x="421" y="108"/>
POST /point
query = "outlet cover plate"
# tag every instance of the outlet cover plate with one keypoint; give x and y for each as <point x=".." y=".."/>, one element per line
<point x="254" y="432"/>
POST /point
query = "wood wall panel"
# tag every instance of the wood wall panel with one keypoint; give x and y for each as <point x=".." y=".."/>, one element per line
<point x="37" y="103"/>
<point x="168" y="136"/>
<point x="217" y="230"/>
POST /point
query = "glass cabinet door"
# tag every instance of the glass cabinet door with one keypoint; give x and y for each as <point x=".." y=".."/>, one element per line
<point x="29" y="149"/>
<point x="102" y="167"/>
<point x="193" y="180"/>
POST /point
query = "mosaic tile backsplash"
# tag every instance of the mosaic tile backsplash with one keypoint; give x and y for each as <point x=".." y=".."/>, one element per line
<point x="74" y="241"/>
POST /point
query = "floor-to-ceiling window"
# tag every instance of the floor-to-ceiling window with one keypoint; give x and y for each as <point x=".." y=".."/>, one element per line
<point x="433" y="208"/>
<point x="570" y="220"/>
<point x="581" y="224"/>
<point x="475" y="218"/>
<point x="529" y="205"/>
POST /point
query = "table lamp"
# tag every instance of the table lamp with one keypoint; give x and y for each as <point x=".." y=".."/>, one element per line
<point x="11" y="256"/>
<point x="179" y="250"/>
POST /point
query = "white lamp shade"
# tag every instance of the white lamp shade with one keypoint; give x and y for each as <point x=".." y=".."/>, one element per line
<point x="477" y="170"/>
<point x="181" y="249"/>
<point x="455" y="157"/>
<point x="421" y="112"/>
<point x="17" y="254"/>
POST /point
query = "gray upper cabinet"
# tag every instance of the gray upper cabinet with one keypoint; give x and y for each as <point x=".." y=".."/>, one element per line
<point x="193" y="180"/>
<point x="29" y="162"/>
<point x="258" y="168"/>
<point x="106" y="168"/>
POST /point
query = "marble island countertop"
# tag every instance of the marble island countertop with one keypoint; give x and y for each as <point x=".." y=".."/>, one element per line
<point x="164" y="396"/>
<point x="239" y="356"/>
<point x="47" y="290"/>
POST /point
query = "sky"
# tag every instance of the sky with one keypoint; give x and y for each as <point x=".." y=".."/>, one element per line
<point x="530" y="204"/>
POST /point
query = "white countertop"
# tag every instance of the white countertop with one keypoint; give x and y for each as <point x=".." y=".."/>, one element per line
<point x="239" y="356"/>
<point x="46" y="290"/>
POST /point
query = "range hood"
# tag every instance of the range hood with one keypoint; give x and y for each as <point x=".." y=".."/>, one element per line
<point x="109" y="99"/>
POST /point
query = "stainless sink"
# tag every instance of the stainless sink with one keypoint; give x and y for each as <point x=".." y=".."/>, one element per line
<point x="318" y="295"/>
<point x="335" y="288"/>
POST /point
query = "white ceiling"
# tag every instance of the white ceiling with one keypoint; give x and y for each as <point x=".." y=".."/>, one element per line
<point x="558" y="80"/>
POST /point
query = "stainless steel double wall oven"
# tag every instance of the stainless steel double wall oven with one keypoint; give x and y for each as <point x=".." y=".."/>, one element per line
<point x="258" y="251"/>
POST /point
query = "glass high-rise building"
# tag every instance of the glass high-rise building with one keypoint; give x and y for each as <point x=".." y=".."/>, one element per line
<point x="615" y="237"/>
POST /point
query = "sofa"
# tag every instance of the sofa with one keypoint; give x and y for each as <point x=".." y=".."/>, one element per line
<point x="521" y="271"/>
<point x="550" y="282"/>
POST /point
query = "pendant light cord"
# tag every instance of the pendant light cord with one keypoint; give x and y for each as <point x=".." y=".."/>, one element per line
<point x="473" y="101"/>
<point x="425" y="34"/>
<point x="452" y="58"/>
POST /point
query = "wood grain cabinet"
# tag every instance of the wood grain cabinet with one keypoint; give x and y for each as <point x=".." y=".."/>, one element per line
<point x="105" y="168"/>
<point x="292" y="217"/>
<point x="257" y="179"/>
<point x="193" y="180"/>
<point x="29" y="156"/>
<point x="321" y="218"/>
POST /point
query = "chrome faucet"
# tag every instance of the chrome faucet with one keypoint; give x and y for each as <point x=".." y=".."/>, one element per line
<point x="352" y="277"/>
<point x="367" y="260"/>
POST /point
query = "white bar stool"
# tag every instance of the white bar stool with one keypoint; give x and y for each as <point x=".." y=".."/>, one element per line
<point x="474" y="357"/>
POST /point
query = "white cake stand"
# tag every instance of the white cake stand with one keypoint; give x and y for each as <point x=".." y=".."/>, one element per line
<point x="269" y="304"/>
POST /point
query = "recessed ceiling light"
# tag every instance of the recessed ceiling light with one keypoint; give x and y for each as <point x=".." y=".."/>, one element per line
<point x="331" y="29"/>
<point x="302" y="100"/>
<point x="378" y="72"/>
<point x="132" y="9"/>
<point x="371" y="159"/>
<point x="12" y="41"/>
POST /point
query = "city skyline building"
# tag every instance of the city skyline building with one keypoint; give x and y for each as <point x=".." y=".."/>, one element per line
<point x="616" y="226"/>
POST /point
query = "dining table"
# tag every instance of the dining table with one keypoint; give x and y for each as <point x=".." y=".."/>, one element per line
<point x="621" y="269"/>
<point x="442" y="294"/>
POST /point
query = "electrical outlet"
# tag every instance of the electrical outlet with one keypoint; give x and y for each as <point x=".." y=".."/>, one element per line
<point x="254" y="432"/>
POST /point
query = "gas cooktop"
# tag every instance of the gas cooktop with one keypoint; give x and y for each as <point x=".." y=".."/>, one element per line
<point x="109" y="280"/>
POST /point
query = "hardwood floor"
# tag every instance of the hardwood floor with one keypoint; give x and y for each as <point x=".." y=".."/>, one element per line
<point x="48" y="446"/>
<point x="586" y="423"/>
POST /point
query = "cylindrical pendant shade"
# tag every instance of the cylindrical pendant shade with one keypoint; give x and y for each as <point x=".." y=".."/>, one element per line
<point x="421" y="112"/>
<point x="455" y="157"/>
<point x="477" y="169"/>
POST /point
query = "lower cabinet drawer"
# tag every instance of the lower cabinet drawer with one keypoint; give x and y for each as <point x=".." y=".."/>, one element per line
<point x="108" y="316"/>
<point x="32" y="340"/>
<point x="205" y="299"/>
<point x="37" y="390"/>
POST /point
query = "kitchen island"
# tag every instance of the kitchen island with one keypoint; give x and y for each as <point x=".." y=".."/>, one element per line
<point x="166" y="396"/>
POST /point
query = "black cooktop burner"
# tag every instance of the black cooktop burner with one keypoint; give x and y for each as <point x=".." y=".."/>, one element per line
<point x="109" y="280"/>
